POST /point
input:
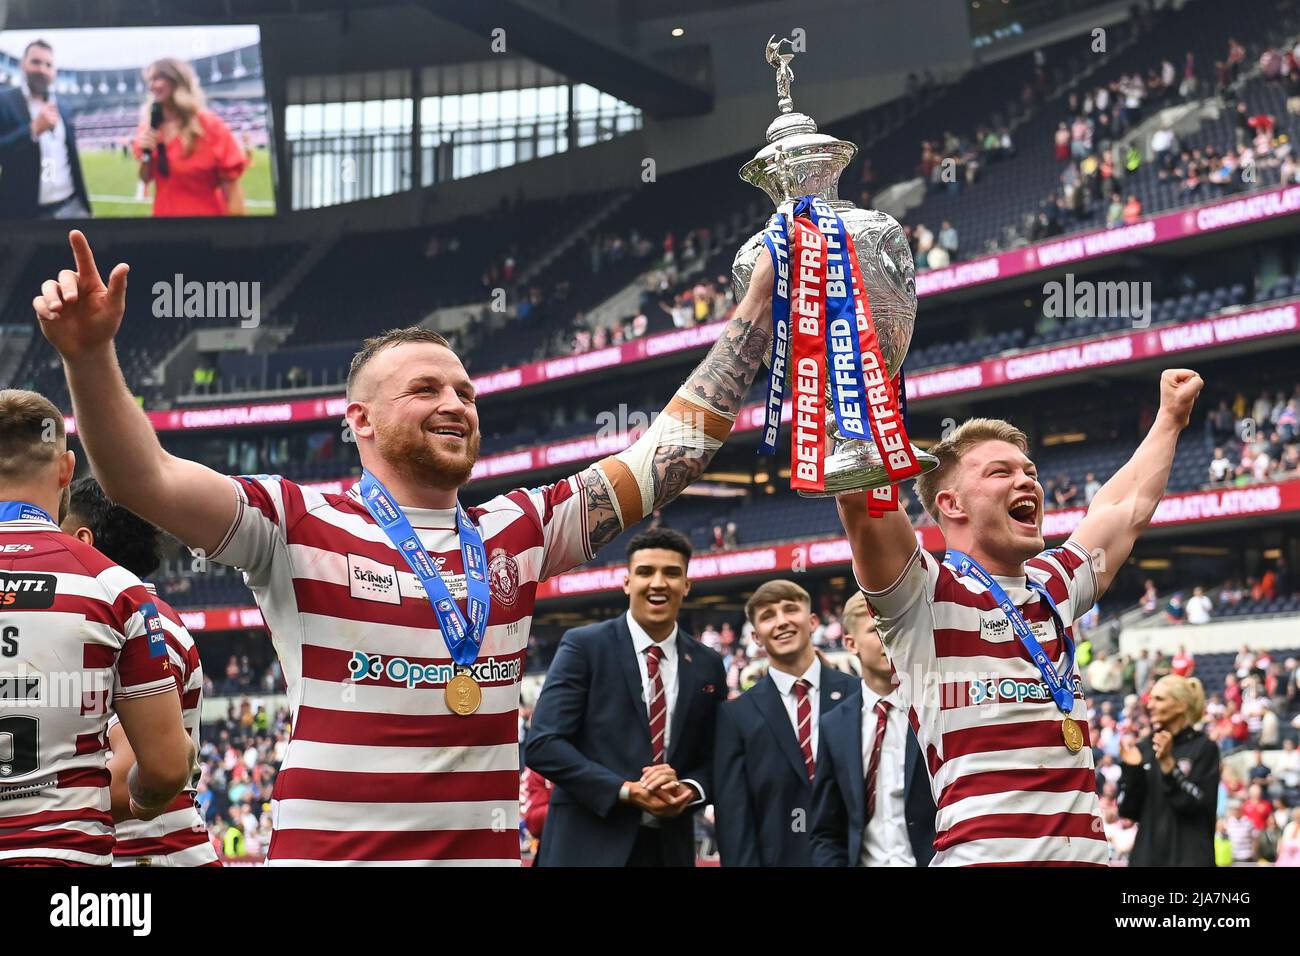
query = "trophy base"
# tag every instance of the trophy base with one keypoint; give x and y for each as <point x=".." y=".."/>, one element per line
<point x="856" y="466"/>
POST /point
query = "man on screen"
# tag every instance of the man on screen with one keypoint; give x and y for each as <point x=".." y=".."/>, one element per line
<point x="981" y="642"/>
<point x="401" y="618"/>
<point x="40" y="171"/>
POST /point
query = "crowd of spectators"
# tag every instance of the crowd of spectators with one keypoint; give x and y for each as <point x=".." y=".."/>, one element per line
<point x="241" y="676"/>
<point x="239" y="758"/>
<point x="1200" y="608"/>
<point x="1255" y="442"/>
<point x="675" y="295"/>
<point x="1258" y="809"/>
<point x="930" y="251"/>
<point x="1094" y="171"/>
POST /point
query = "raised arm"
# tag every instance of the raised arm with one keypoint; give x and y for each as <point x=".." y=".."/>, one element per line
<point x="1125" y="505"/>
<point x="678" y="447"/>
<point x="80" y="316"/>
<point x="881" y="546"/>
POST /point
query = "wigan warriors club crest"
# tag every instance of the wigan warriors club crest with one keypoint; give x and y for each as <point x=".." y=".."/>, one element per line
<point x="503" y="575"/>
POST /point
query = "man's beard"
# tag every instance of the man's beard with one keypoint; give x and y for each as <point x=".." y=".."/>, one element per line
<point x="411" y="455"/>
<point x="38" y="85"/>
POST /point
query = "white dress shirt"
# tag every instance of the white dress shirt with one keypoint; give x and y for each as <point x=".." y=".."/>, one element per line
<point x="641" y="642"/>
<point x="56" y="169"/>
<point x="884" y="838"/>
<point x="785" y="685"/>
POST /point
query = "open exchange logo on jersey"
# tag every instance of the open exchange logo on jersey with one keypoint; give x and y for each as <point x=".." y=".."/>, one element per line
<point x="375" y="667"/>
<point x="1009" y="690"/>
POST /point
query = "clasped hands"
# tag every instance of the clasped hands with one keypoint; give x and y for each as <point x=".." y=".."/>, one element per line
<point x="660" y="793"/>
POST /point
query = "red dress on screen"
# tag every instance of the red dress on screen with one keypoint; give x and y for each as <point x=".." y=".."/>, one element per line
<point x="193" y="184"/>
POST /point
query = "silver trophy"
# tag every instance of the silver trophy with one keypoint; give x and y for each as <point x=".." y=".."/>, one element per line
<point x="799" y="161"/>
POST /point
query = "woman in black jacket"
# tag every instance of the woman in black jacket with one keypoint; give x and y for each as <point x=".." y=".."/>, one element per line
<point x="1169" y="781"/>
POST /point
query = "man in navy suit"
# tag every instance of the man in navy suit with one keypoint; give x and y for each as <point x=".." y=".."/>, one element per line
<point x="623" y="726"/>
<point x="886" y="778"/>
<point x="40" y="171"/>
<point x="765" y="755"/>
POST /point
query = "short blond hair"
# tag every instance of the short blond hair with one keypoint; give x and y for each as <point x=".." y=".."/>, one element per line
<point x="774" y="592"/>
<point x="32" y="434"/>
<point x="1189" y="692"/>
<point x="971" y="432"/>
<point x="855" y="609"/>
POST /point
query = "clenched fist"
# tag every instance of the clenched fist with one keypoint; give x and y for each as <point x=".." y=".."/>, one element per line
<point x="1178" y="390"/>
<point x="77" y="312"/>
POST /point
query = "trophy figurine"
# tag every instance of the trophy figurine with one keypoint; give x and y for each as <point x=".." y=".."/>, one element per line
<point x="800" y="161"/>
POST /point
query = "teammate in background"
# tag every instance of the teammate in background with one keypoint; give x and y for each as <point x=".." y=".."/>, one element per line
<point x="63" y="604"/>
<point x="1012" y="773"/>
<point x="178" y="836"/>
<point x="405" y="741"/>
<point x="765" y="754"/>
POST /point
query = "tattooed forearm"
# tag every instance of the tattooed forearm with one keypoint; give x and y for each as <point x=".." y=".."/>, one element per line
<point x="602" y="518"/>
<point x="723" y="379"/>
<point x="675" y="467"/>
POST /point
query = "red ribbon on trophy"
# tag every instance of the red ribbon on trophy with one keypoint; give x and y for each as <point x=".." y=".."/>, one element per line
<point x="887" y="425"/>
<point x="822" y="267"/>
<point x="808" y="372"/>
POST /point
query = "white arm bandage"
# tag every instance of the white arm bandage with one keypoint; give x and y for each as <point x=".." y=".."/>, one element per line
<point x="684" y="423"/>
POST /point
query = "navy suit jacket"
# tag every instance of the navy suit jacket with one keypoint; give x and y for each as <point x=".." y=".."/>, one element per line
<point x="591" y="733"/>
<point x="840" y="794"/>
<point x="762" y="804"/>
<point x="20" y="159"/>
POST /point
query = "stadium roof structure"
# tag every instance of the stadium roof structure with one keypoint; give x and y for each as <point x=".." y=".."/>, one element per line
<point x="547" y="35"/>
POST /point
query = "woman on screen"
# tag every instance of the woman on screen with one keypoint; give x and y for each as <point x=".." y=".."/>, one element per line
<point x="186" y="150"/>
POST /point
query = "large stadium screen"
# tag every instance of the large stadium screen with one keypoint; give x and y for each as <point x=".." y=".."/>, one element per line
<point x="134" y="122"/>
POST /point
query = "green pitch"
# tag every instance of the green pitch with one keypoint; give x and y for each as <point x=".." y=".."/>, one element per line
<point x="111" y="180"/>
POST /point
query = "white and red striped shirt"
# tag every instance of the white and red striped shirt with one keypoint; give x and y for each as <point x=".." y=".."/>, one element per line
<point x="1008" y="791"/>
<point x="76" y="634"/>
<point x="177" y="836"/>
<point x="378" y="769"/>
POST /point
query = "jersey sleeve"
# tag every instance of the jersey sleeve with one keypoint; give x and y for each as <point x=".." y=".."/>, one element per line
<point x="1069" y="576"/>
<point x="265" y="506"/>
<point x="892" y="605"/>
<point x="561" y="513"/>
<point x="144" y="667"/>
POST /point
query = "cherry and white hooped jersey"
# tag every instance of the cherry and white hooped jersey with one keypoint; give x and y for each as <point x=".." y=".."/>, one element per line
<point x="379" y="769"/>
<point x="177" y="836"/>
<point x="77" y="633"/>
<point x="1008" y="790"/>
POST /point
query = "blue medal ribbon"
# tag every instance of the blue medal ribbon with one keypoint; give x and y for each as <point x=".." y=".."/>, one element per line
<point x="463" y="640"/>
<point x="844" y="371"/>
<point x="23" y="511"/>
<point x="843" y="349"/>
<point x="1062" y="692"/>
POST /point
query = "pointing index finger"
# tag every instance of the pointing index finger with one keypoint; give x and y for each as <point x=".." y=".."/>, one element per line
<point x="86" y="268"/>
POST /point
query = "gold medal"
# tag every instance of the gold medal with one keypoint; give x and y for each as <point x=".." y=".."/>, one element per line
<point x="1072" y="734"/>
<point x="463" y="695"/>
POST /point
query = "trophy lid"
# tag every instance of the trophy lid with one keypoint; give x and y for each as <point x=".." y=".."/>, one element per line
<point x="797" y="160"/>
